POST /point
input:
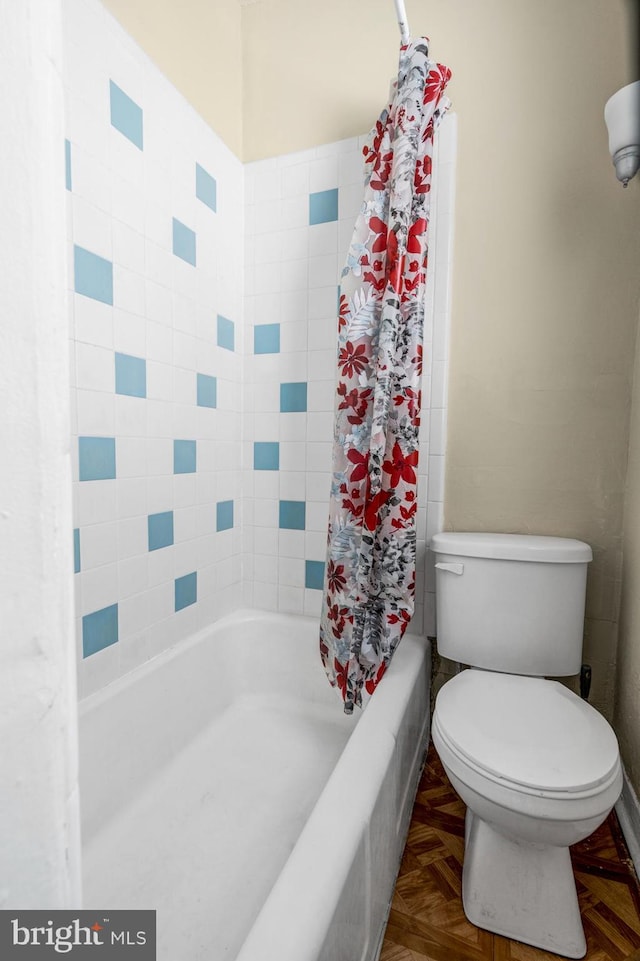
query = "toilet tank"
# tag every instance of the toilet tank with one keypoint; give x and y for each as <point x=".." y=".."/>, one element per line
<point x="511" y="602"/>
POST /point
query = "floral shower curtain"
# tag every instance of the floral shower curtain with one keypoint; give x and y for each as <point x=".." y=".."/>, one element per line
<point x="370" y="570"/>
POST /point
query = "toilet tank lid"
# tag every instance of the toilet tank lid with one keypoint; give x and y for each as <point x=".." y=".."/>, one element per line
<point x="513" y="547"/>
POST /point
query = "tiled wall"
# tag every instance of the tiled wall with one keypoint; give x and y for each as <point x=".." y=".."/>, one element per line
<point x="156" y="234"/>
<point x="300" y="213"/>
<point x="203" y="316"/>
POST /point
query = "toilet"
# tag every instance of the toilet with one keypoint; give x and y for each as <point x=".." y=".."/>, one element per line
<point x="538" y="767"/>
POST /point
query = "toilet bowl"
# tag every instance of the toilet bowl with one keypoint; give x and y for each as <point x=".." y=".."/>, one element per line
<point x="539" y="770"/>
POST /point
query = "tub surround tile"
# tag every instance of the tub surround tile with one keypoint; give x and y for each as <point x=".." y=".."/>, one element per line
<point x="76" y="551"/>
<point x="126" y="115"/>
<point x="314" y="575"/>
<point x="160" y="530"/>
<point x="226" y="333"/>
<point x="323" y="206"/>
<point x="97" y="458"/>
<point x="131" y="375"/>
<point x="291" y="515"/>
<point x="184" y="456"/>
<point x="206" y="188"/>
<point x="99" y="630"/>
<point x="266" y="339"/>
<point x="266" y="455"/>
<point x="186" y="590"/>
<point x="206" y="391"/>
<point x="224" y="515"/>
<point x="67" y="165"/>
<point x="93" y="275"/>
<point x="293" y="397"/>
<point x="184" y="242"/>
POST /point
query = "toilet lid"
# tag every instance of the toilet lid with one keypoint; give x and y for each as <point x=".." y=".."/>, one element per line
<point x="526" y="730"/>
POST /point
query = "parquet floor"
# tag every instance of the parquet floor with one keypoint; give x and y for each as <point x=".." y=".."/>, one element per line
<point x="427" y="922"/>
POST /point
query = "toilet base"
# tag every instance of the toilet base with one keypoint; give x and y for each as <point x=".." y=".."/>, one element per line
<point x="522" y="891"/>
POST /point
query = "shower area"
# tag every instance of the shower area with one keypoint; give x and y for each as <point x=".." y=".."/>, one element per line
<point x="202" y="298"/>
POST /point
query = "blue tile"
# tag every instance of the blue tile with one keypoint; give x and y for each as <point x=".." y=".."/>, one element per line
<point x="67" y="164"/>
<point x="184" y="242"/>
<point x="293" y="397"/>
<point x="292" y="515"/>
<point x="131" y="375"/>
<point x="186" y="590"/>
<point x="160" y="530"/>
<point x="266" y="339"/>
<point x="323" y="206"/>
<point x="99" y="630"/>
<point x="266" y="455"/>
<point x="206" y="187"/>
<point x="184" y="456"/>
<point x="226" y="333"/>
<point x="76" y="551"/>
<point x="314" y="575"/>
<point x="224" y="515"/>
<point x="93" y="275"/>
<point x="97" y="456"/>
<point x="207" y="391"/>
<point x="126" y="115"/>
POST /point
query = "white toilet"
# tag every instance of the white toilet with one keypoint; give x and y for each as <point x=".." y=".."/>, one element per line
<point x="537" y="767"/>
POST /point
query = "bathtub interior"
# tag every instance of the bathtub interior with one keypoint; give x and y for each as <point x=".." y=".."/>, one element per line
<point x="202" y="771"/>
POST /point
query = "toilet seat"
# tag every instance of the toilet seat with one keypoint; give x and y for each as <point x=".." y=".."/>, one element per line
<point x="527" y="734"/>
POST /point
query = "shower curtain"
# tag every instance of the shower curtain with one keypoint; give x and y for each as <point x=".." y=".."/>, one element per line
<point x="370" y="570"/>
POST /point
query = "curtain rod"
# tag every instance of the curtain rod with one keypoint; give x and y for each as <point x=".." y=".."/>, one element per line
<point x="402" y="20"/>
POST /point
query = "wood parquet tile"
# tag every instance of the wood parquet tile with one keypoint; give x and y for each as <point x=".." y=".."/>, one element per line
<point x="427" y="922"/>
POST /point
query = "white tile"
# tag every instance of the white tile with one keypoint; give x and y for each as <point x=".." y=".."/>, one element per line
<point x="317" y="515"/>
<point x="160" y="568"/>
<point x="131" y="415"/>
<point x="290" y="571"/>
<point x="319" y="456"/>
<point x="99" y="545"/>
<point x="291" y="543"/>
<point x="158" y="300"/>
<point x="323" y="174"/>
<point x="131" y="457"/>
<point x="437" y="431"/>
<point x="323" y="272"/>
<point x="93" y="321"/>
<point x="132" y="575"/>
<point x="92" y="228"/>
<point x="130" y="333"/>
<point x="323" y="304"/>
<point x="131" y="494"/>
<point x="95" y="368"/>
<point x="436" y="478"/>
<point x="95" y="413"/>
<point x="264" y="569"/>
<point x="133" y="616"/>
<point x="99" y="588"/>
<point x="96" y="502"/>
<point x="313" y="603"/>
<point x="291" y="600"/>
<point x="292" y="485"/>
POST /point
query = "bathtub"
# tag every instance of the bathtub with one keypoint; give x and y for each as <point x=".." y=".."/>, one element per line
<point x="222" y="785"/>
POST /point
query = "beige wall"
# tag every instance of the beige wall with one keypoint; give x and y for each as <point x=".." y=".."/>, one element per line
<point x="547" y="244"/>
<point x="197" y="44"/>
<point x="627" y="695"/>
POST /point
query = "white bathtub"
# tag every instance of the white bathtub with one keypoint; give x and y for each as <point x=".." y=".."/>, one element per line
<point x="222" y="785"/>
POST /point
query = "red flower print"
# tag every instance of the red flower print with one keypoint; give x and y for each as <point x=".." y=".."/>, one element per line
<point x="361" y="462"/>
<point x="381" y="170"/>
<point x="379" y="228"/>
<point x="416" y="231"/>
<point x="353" y="361"/>
<point x="344" y="312"/>
<point x="341" y="675"/>
<point x="401" y="466"/>
<point x="423" y="175"/>
<point x="417" y="360"/>
<point x="372" y="509"/>
<point x="395" y="263"/>
<point x="336" y="580"/>
<point x="436" y="82"/>
<point x="373" y="682"/>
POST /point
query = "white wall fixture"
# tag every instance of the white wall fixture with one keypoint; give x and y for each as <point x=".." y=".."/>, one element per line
<point x="622" y="117"/>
